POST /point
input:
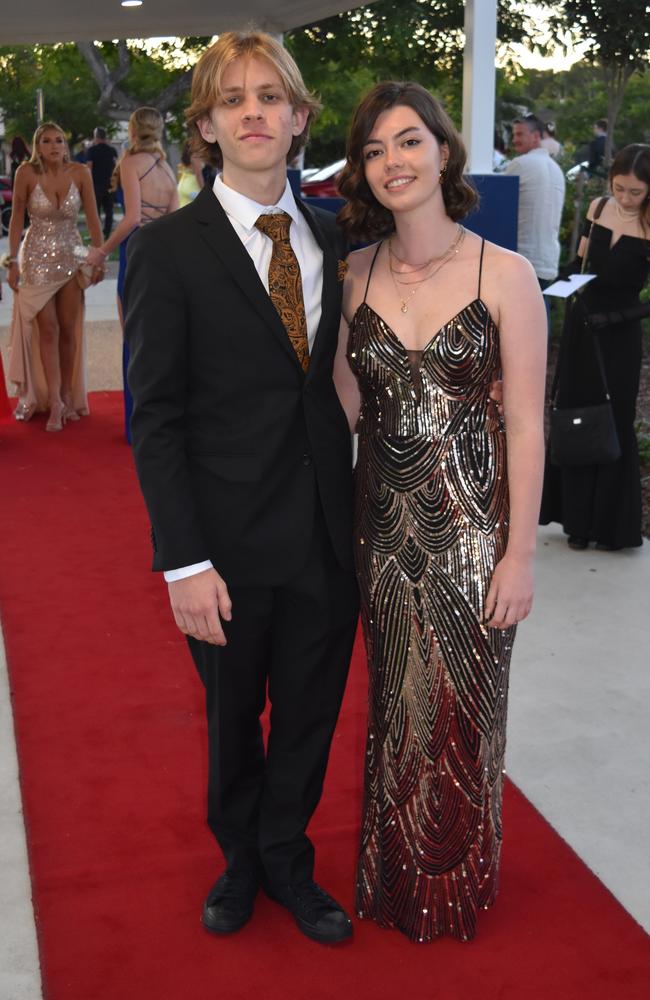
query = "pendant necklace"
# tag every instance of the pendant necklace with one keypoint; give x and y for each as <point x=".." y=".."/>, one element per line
<point x="449" y="253"/>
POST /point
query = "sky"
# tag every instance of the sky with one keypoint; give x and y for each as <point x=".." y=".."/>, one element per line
<point x="530" y="58"/>
<point x="526" y="55"/>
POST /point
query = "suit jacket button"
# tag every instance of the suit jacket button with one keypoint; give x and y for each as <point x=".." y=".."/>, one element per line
<point x="306" y="460"/>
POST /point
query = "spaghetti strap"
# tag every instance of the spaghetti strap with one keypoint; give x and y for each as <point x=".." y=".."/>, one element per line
<point x="154" y="164"/>
<point x="480" y="269"/>
<point x="365" y="294"/>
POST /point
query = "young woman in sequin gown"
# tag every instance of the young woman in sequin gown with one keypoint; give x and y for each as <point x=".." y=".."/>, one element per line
<point x="150" y="191"/>
<point x="445" y="530"/>
<point x="47" y="359"/>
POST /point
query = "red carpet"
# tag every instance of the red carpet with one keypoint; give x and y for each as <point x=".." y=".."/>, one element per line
<point x="108" y="714"/>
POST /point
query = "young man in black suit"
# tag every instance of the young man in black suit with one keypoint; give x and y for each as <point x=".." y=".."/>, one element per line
<point x="243" y="454"/>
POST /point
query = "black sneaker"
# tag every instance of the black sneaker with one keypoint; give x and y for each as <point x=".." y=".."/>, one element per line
<point x="575" y="542"/>
<point x="318" y="916"/>
<point x="229" y="904"/>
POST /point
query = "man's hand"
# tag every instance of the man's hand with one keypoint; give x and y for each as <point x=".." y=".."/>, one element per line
<point x="496" y="394"/>
<point x="197" y="602"/>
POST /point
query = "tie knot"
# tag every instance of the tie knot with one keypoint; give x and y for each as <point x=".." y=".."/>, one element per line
<point x="275" y="226"/>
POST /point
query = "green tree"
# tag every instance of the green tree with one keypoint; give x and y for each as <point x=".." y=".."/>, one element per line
<point x="69" y="90"/>
<point x="96" y="83"/>
<point x="616" y="34"/>
<point x="343" y="56"/>
<point x="129" y="74"/>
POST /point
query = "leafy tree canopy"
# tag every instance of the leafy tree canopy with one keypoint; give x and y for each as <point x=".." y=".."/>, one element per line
<point x="91" y="84"/>
<point x="615" y="35"/>
<point x="343" y="56"/>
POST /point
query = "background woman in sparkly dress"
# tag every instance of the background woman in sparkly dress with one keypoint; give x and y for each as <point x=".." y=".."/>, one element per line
<point x="150" y="191"/>
<point x="47" y="360"/>
<point x="602" y="503"/>
<point x="445" y="532"/>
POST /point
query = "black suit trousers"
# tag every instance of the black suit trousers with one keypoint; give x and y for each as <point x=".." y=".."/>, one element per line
<point x="294" y="642"/>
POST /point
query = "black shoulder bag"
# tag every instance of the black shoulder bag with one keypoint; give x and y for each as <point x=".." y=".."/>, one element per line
<point x="584" y="435"/>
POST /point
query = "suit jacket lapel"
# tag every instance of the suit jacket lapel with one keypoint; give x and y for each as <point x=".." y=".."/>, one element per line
<point x="216" y="231"/>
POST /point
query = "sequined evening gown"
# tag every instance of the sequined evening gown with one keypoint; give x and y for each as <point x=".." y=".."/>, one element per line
<point x="431" y="524"/>
<point x="47" y="262"/>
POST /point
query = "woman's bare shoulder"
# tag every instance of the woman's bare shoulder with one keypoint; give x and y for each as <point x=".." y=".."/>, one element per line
<point x="79" y="172"/>
<point x="359" y="261"/>
<point x="593" y="205"/>
<point x="25" y="173"/>
<point x="507" y="264"/>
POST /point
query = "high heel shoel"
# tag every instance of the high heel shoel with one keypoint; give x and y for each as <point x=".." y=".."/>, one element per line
<point x="68" y="409"/>
<point x="57" y="418"/>
<point x="24" y="411"/>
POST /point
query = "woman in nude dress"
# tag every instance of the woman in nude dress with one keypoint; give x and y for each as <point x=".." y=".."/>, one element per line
<point x="150" y="191"/>
<point x="444" y="527"/>
<point x="47" y="274"/>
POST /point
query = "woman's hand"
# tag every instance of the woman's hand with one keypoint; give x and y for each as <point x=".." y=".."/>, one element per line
<point x="95" y="257"/>
<point x="13" y="276"/>
<point x="98" y="274"/>
<point x="510" y="596"/>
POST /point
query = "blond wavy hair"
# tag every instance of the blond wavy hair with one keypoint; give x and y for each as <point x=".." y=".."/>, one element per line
<point x="207" y="89"/>
<point x="35" y="159"/>
<point x="146" y="127"/>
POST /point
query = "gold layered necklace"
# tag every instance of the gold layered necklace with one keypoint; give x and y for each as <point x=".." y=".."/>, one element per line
<point x="437" y="262"/>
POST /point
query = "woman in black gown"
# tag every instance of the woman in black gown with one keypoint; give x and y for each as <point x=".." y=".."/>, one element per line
<point x="602" y="503"/>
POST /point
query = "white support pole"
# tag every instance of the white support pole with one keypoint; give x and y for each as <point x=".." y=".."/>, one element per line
<point x="479" y="83"/>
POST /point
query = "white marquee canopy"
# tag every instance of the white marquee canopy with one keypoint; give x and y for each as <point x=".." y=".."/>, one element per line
<point x="27" y="21"/>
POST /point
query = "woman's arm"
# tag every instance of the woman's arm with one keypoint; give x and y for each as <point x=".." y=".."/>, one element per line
<point x="16" y="225"/>
<point x="84" y="181"/>
<point x="345" y="382"/>
<point x="173" y="201"/>
<point x="132" y="212"/>
<point x="523" y="335"/>
<point x="591" y="211"/>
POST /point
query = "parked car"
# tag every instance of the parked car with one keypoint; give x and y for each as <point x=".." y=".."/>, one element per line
<point x="322" y="184"/>
<point x="6" y="197"/>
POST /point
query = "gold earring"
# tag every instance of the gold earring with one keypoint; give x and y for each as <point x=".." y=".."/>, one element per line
<point x="443" y="173"/>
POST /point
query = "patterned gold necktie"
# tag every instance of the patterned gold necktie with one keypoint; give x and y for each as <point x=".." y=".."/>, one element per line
<point x="285" y="284"/>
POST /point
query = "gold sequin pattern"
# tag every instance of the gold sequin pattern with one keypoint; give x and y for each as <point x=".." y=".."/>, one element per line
<point x="47" y="253"/>
<point x="431" y="524"/>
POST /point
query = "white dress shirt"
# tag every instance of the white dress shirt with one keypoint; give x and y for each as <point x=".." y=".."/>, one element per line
<point x="242" y="214"/>
<point x="541" y="199"/>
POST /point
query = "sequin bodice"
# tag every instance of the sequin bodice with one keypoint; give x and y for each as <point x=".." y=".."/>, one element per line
<point x="47" y="253"/>
<point x="438" y="392"/>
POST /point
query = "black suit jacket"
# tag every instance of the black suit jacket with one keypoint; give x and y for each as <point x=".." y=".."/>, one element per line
<point x="233" y="443"/>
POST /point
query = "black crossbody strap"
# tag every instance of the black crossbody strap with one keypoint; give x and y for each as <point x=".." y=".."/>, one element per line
<point x="594" y="333"/>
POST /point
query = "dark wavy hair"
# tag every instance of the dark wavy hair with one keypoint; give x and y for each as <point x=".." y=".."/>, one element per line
<point x="635" y="159"/>
<point x="363" y="217"/>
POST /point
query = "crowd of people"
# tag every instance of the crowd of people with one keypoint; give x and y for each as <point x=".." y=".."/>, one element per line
<point x="255" y="345"/>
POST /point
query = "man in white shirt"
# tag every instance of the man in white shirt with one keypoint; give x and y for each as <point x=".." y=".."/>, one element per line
<point x="244" y="458"/>
<point x="541" y="199"/>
